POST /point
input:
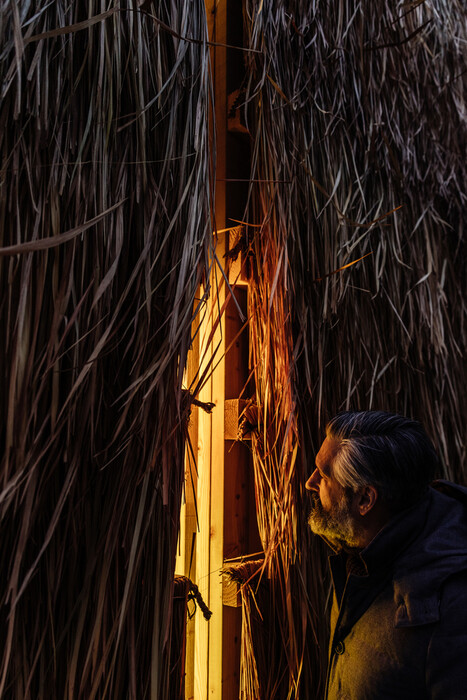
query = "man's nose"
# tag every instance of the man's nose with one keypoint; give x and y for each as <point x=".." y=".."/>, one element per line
<point x="312" y="483"/>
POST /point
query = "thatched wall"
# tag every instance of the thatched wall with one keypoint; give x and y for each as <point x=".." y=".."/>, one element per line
<point x="104" y="226"/>
<point x="359" y="120"/>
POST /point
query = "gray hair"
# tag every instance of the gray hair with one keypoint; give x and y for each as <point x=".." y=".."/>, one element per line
<point x="385" y="450"/>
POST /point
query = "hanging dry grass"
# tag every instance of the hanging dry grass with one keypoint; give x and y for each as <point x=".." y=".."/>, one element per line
<point x="359" y="120"/>
<point x="281" y="616"/>
<point x="105" y="230"/>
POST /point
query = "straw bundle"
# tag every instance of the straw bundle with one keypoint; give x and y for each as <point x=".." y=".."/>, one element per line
<point x="359" y="120"/>
<point x="105" y="229"/>
<point x="264" y="671"/>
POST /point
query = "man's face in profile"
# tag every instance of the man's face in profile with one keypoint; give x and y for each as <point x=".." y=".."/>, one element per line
<point x="331" y="515"/>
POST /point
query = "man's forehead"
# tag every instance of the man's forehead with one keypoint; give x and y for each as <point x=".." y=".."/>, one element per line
<point x="326" y="455"/>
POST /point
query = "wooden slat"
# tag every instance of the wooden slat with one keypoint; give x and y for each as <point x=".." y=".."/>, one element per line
<point x="202" y="537"/>
<point x="217" y="27"/>
<point x="217" y="506"/>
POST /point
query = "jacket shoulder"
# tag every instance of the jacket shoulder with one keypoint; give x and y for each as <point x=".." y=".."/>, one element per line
<point x="449" y="488"/>
<point x="446" y="667"/>
<point x="436" y="563"/>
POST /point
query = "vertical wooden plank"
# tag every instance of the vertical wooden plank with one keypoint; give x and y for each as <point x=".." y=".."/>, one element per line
<point x="217" y="27"/>
<point x="202" y="537"/>
<point x="204" y="513"/>
<point x="236" y="500"/>
<point x="191" y="524"/>
<point x="235" y="542"/>
<point x="232" y="646"/>
<point x="235" y="485"/>
<point x="217" y="502"/>
<point x="236" y="339"/>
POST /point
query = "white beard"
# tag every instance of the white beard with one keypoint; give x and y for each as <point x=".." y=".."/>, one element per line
<point x="337" y="527"/>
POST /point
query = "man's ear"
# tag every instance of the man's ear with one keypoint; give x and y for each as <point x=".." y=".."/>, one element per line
<point x="367" y="497"/>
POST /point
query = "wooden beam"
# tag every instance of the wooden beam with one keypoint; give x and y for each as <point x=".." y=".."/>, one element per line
<point x="203" y="564"/>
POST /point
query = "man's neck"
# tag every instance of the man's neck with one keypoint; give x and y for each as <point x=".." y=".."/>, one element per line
<point x="371" y="524"/>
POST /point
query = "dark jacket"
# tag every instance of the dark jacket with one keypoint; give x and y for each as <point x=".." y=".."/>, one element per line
<point x="399" y="615"/>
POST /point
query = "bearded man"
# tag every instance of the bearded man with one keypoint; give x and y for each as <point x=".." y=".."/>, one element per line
<point x="399" y="569"/>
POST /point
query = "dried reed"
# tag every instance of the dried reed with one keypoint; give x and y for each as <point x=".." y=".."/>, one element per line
<point x="358" y="117"/>
<point x="105" y="230"/>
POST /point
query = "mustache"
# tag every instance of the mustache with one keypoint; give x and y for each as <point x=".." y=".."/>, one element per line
<point x="315" y="504"/>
